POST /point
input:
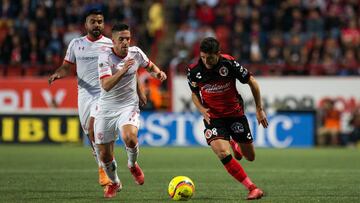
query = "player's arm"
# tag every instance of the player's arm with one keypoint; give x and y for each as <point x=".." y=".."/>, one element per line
<point x="204" y="111"/>
<point x="156" y="72"/>
<point x="195" y="97"/>
<point x="62" y="71"/>
<point x="107" y="83"/>
<point x="260" y="113"/>
<point x="140" y="91"/>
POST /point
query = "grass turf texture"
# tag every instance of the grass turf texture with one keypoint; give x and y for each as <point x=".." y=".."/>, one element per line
<point x="61" y="173"/>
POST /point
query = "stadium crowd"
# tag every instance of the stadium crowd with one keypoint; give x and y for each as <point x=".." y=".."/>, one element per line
<point x="290" y="37"/>
<point x="34" y="34"/>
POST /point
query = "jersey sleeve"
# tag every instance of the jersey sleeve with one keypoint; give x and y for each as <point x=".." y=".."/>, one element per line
<point x="144" y="61"/>
<point x="192" y="84"/>
<point x="70" y="54"/>
<point x="241" y="73"/>
<point x="104" y="68"/>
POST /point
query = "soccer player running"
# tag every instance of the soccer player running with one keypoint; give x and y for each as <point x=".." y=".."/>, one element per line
<point x="118" y="108"/>
<point x="212" y="81"/>
<point x="83" y="52"/>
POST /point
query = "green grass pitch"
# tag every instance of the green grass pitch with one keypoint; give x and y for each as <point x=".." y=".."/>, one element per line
<point x="63" y="173"/>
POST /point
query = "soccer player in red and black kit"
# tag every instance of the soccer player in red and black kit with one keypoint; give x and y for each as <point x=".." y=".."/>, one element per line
<point x="213" y="84"/>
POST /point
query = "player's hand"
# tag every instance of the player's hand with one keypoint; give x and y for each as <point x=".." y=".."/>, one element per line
<point x="205" y="113"/>
<point x="142" y="98"/>
<point x="261" y="117"/>
<point x="53" y="77"/>
<point x="161" y="76"/>
<point x="128" y="64"/>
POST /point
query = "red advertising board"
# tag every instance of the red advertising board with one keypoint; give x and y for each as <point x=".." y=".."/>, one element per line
<point x="30" y="93"/>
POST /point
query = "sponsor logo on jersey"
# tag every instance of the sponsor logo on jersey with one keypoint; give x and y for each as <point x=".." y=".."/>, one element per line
<point x="216" y="88"/>
<point x="87" y="58"/>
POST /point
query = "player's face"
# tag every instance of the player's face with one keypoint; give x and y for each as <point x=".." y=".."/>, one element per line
<point x="94" y="25"/>
<point x="121" y="41"/>
<point x="209" y="60"/>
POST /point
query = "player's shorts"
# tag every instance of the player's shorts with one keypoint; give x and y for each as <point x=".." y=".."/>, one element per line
<point x="87" y="108"/>
<point x="108" y="123"/>
<point x="236" y="128"/>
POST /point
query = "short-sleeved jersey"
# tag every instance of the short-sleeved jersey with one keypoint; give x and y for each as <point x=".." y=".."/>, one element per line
<point x="216" y="87"/>
<point x="124" y="93"/>
<point x="84" y="53"/>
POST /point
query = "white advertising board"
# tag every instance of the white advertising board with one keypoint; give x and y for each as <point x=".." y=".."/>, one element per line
<point x="287" y="93"/>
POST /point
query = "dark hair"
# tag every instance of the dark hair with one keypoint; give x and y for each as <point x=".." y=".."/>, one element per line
<point x="209" y="45"/>
<point x="120" y="27"/>
<point x="93" y="11"/>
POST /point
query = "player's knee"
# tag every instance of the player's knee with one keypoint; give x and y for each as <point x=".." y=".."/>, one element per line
<point x="222" y="154"/>
<point x="250" y="157"/>
<point x="130" y="140"/>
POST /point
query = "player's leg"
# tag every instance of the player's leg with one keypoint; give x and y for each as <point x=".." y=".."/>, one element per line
<point x="241" y="134"/>
<point x="103" y="178"/>
<point x="104" y="138"/>
<point x="130" y="123"/>
<point x="236" y="149"/>
<point x="222" y="149"/>
<point x="129" y="135"/>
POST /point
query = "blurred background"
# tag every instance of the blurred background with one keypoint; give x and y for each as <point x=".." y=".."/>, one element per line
<point x="304" y="53"/>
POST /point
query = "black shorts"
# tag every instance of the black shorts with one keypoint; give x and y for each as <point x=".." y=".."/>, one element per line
<point x="236" y="128"/>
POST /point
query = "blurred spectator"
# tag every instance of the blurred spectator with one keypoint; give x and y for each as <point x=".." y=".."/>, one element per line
<point x="295" y="56"/>
<point x="354" y="136"/>
<point x="70" y="33"/>
<point x="315" y="24"/>
<point x="328" y="132"/>
<point x="349" y="64"/>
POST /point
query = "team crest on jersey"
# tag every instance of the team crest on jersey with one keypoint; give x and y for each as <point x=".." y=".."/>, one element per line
<point x="223" y="71"/>
<point x="237" y="127"/>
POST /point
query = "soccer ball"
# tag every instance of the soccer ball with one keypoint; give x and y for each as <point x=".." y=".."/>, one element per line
<point x="181" y="188"/>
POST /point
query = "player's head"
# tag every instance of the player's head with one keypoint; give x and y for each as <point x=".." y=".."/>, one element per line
<point x="94" y="22"/>
<point x="121" y="37"/>
<point x="209" y="51"/>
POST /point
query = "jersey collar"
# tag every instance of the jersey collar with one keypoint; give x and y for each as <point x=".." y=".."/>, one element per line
<point x="112" y="49"/>
<point x="93" y="40"/>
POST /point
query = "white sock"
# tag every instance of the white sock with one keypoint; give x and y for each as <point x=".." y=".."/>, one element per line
<point x="96" y="153"/>
<point x="132" y="154"/>
<point x="110" y="170"/>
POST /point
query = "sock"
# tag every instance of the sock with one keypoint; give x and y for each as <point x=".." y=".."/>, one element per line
<point x="132" y="154"/>
<point x="96" y="154"/>
<point x="110" y="170"/>
<point x="236" y="170"/>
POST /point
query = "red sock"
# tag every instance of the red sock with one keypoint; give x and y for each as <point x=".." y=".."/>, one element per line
<point x="236" y="170"/>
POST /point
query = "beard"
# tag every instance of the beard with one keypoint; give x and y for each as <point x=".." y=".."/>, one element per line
<point x="96" y="32"/>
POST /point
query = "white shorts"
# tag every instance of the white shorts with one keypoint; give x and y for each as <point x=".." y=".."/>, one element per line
<point x="87" y="108"/>
<point x="108" y="123"/>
